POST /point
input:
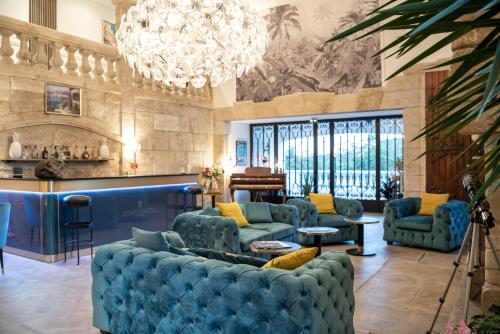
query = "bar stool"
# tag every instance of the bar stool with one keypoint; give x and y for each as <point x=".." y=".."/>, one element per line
<point x="76" y="202"/>
<point x="194" y="191"/>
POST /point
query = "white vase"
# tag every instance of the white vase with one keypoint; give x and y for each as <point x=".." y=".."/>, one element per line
<point x="104" y="150"/>
<point x="16" y="150"/>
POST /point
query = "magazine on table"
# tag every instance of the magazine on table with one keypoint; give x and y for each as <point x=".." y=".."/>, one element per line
<point x="270" y="244"/>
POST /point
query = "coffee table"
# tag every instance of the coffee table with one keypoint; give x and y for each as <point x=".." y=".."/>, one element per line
<point x="277" y="252"/>
<point x="360" y="250"/>
<point x="317" y="233"/>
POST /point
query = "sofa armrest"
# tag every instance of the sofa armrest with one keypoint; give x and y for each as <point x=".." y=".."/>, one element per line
<point x="286" y="214"/>
<point x="450" y="222"/>
<point x="213" y="232"/>
<point x="351" y="208"/>
<point x="308" y="213"/>
<point x="399" y="208"/>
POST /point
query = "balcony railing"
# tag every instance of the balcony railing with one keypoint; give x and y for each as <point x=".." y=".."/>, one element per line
<point x="64" y="56"/>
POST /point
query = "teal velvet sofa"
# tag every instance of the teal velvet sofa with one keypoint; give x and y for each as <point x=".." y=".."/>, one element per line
<point x="309" y="217"/>
<point x="137" y="290"/>
<point x="443" y="231"/>
<point x="223" y="234"/>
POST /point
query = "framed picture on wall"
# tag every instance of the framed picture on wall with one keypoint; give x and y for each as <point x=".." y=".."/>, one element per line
<point x="62" y="100"/>
<point x="241" y="152"/>
<point x="108" y="33"/>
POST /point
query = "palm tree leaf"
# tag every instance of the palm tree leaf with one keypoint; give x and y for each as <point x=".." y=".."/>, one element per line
<point x="489" y="5"/>
<point x="368" y="23"/>
<point x="493" y="79"/>
<point x="434" y="48"/>
<point x="442" y="14"/>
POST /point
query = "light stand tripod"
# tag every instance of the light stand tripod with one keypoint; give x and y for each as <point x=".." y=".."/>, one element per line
<point x="481" y="222"/>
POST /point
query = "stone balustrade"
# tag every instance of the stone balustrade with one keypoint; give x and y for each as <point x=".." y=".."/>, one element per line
<point x="64" y="57"/>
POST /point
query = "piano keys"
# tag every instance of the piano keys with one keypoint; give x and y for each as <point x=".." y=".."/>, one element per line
<point x="258" y="180"/>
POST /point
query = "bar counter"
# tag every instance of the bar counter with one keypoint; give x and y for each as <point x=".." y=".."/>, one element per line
<point x="119" y="203"/>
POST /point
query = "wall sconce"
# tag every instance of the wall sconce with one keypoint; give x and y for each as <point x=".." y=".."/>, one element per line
<point x="131" y="148"/>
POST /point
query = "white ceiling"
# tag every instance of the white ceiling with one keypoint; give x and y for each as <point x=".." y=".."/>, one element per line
<point x="107" y="3"/>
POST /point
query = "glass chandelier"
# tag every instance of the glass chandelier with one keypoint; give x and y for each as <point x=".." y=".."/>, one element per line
<point x="192" y="41"/>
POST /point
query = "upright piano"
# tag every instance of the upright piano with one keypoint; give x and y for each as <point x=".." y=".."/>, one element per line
<point x="258" y="180"/>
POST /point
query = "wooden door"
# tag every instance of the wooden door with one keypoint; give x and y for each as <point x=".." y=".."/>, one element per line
<point x="442" y="168"/>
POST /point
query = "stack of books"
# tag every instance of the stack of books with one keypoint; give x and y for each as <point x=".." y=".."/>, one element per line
<point x="270" y="245"/>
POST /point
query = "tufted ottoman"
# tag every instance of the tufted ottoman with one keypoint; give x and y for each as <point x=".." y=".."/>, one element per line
<point x="136" y="290"/>
<point x="443" y="231"/>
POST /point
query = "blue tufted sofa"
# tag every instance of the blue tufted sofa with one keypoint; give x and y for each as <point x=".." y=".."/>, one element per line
<point x="309" y="217"/>
<point x="223" y="234"/>
<point x="443" y="231"/>
<point x="136" y="290"/>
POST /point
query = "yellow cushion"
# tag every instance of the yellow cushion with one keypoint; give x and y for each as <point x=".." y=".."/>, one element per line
<point x="233" y="210"/>
<point x="323" y="202"/>
<point x="430" y="202"/>
<point x="293" y="260"/>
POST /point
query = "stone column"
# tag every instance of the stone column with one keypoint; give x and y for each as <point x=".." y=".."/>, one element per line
<point x="126" y="81"/>
<point x="489" y="281"/>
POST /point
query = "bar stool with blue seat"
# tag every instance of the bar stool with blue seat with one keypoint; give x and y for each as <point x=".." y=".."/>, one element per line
<point x="4" y="227"/>
<point x="194" y="192"/>
<point x="77" y="202"/>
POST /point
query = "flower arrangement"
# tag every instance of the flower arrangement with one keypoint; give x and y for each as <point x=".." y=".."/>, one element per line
<point x="211" y="176"/>
<point x="462" y="328"/>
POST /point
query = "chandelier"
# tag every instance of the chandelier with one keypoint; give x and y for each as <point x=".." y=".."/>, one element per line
<point x="192" y="41"/>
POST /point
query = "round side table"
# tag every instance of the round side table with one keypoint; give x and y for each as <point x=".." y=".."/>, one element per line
<point x="317" y="233"/>
<point x="275" y="252"/>
<point x="360" y="243"/>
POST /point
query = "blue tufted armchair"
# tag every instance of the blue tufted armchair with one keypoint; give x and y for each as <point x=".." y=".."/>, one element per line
<point x="136" y="290"/>
<point x="443" y="231"/>
<point x="309" y="217"/>
<point x="223" y="234"/>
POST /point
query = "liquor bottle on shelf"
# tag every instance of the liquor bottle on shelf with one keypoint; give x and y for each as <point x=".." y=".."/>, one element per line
<point x="45" y="153"/>
<point x="56" y="152"/>
<point x="76" y="153"/>
<point x="26" y="153"/>
<point x="85" y="155"/>
<point x="67" y="152"/>
<point x="35" y="155"/>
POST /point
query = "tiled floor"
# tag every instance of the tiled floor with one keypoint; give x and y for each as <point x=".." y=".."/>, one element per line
<point x="396" y="291"/>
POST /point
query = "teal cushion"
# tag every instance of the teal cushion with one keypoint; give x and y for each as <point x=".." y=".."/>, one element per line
<point x="249" y="235"/>
<point x="228" y="257"/>
<point x="278" y="231"/>
<point x="174" y="239"/>
<point x="209" y="212"/>
<point x="155" y="241"/>
<point x="332" y="220"/>
<point x="258" y="212"/>
<point x="416" y="223"/>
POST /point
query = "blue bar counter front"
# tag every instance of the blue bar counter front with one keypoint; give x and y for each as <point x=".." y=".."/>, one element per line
<point x="118" y="204"/>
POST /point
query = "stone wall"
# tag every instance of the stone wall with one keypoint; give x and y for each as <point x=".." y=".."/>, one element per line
<point x="405" y="92"/>
<point x="22" y="109"/>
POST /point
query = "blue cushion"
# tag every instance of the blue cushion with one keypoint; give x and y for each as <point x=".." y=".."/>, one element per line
<point x="257" y="212"/>
<point x="209" y="212"/>
<point x="155" y="241"/>
<point x="416" y="222"/>
<point x="174" y="239"/>
<point x="277" y="231"/>
<point x="332" y="220"/>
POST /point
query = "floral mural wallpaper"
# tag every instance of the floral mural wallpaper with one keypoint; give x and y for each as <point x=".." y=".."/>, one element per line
<point x="297" y="60"/>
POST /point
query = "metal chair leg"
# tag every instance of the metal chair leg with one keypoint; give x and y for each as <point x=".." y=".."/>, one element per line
<point x="91" y="243"/>
<point x="78" y="246"/>
<point x="65" y="244"/>
<point x="1" y="261"/>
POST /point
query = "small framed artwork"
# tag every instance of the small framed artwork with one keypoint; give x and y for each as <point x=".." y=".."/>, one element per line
<point x="62" y="100"/>
<point x="108" y="33"/>
<point x="241" y="152"/>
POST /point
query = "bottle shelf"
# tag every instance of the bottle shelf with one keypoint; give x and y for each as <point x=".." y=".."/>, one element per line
<point x="66" y="161"/>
